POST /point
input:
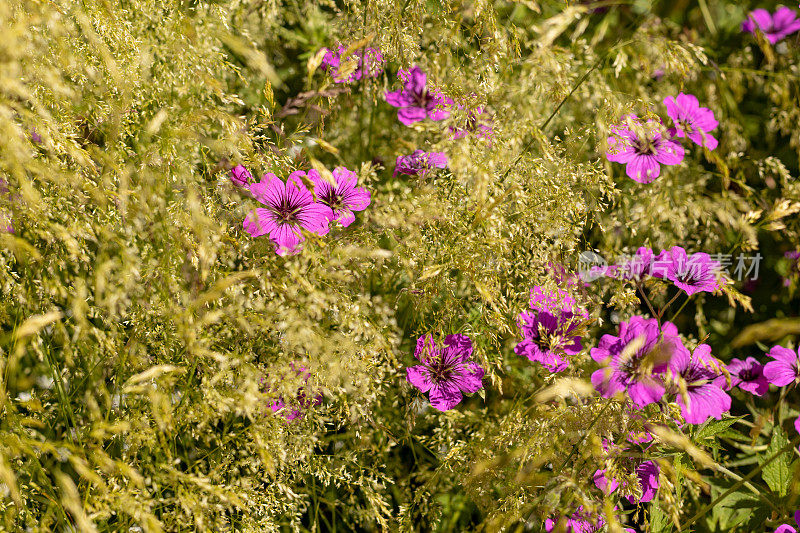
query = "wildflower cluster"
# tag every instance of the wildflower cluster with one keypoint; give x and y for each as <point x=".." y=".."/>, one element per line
<point x="643" y="146"/>
<point x="291" y="207"/>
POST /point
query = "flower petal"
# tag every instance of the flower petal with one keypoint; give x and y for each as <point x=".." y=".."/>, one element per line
<point x="418" y="376"/>
<point x="444" y="396"/>
<point x="470" y="377"/>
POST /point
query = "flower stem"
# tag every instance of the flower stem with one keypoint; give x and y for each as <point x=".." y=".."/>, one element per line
<point x="647" y="301"/>
<point x="664" y="309"/>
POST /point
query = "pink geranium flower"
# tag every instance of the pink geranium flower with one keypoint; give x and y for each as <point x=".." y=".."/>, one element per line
<point x="646" y="471"/>
<point x="642" y="148"/>
<point x="446" y="372"/>
<point x="548" y="329"/>
<point x="240" y="176"/>
<point x="293" y="409"/>
<point x="785" y="369"/>
<point x="636" y="359"/>
<point x="748" y="375"/>
<point x="344" y="197"/>
<point x="690" y="273"/>
<point x="691" y="120"/>
<point x="774" y="27"/>
<point x="415" y="102"/>
<point x="476" y="123"/>
<point x="636" y="267"/>
<point x="290" y="208"/>
<point x="369" y="63"/>
<point x="419" y="163"/>
<point x="786" y="528"/>
<point x="704" y="398"/>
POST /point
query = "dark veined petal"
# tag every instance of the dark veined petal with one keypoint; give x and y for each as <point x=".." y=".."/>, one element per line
<point x="287" y="240"/>
<point x="468" y="377"/>
<point x="444" y="396"/>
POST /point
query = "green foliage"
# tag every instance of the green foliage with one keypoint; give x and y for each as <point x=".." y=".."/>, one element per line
<point x="776" y="474"/>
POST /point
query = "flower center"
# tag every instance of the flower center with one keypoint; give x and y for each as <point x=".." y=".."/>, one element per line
<point x="645" y="146"/>
<point x="423" y="99"/>
<point x="440" y="371"/>
<point x="747" y="374"/>
<point x="332" y="200"/>
<point x="286" y="213"/>
<point x="630" y="366"/>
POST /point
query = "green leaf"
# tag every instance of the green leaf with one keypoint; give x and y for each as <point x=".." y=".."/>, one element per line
<point x="777" y="474"/>
<point x="712" y="427"/>
<point x="738" y="511"/>
<point x="659" y="521"/>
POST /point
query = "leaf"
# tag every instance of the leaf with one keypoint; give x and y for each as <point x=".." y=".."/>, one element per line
<point x="681" y="442"/>
<point x="659" y="521"/>
<point x="738" y="510"/>
<point x="430" y="272"/>
<point x="777" y="474"/>
<point x="712" y="427"/>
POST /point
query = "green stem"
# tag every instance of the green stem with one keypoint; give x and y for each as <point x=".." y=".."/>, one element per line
<point x="680" y="309"/>
<point x="707" y="16"/>
<point x="647" y="300"/>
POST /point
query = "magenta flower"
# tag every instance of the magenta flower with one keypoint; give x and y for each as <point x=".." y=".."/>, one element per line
<point x="646" y="471"/>
<point x="695" y="273"/>
<point x="642" y="148"/>
<point x="785" y="368"/>
<point x="240" y="176"/>
<point x="581" y="521"/>
<point x="548" y="329"/>
<point x="414" y="101"/>
<point x="445" y="372"/>
<point x="344" y="198"/>
<point x="476" y="123"/>
<point x="419" y="163"/>
<point x="294" y="410"/>
<point x="774" y="27"/>
<point x="369" y="64"/>
<point x="748" y="375"/>
<point x="638" y="266"/>
<point x="635" y="360"/>
<point x="290" y="207"/>
<point x="785" y="528"/>
<point x="691" y="120"/>
<point x="703" y="398"/>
